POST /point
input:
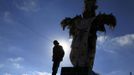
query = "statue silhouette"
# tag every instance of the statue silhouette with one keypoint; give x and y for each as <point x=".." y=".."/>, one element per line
<point x="58" y="54"/>
<point x="83" y="29"/>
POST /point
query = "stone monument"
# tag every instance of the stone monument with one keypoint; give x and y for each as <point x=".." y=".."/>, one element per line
<point x="83" y="29"/>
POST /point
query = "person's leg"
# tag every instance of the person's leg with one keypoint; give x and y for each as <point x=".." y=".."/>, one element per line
<point x="55" y="67"/>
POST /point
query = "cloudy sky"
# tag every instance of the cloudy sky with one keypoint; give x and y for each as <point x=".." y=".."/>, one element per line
<point x="28" y="27"/>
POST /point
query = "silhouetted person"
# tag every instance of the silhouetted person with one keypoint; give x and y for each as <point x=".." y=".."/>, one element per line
<point x="58" y="54"/>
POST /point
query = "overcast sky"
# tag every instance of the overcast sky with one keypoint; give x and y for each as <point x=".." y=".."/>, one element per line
<point x="28" y="27"/>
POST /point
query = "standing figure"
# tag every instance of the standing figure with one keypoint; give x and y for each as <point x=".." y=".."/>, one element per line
<point x="58" y="54"/>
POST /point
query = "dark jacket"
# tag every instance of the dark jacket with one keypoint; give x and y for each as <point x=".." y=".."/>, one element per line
<point x="58" y="53"/>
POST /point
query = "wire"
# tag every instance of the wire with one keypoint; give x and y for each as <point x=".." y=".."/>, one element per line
<point x="35" y="32"/>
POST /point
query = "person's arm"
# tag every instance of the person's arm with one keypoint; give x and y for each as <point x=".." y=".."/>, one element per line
<point x="53" y="55"/>
<point x="62" y="52"/>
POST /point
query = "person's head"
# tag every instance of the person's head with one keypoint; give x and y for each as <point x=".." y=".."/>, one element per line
<point x="55" y="42"/>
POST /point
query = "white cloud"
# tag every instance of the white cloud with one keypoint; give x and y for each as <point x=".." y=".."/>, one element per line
<point x="114" y="44"/>
<point x="114" y="73"/>
<point x="25" y="74"/>
<point x="102" y="38"/>
<point x="18" y="59"/>
<point x="6" y="14"/>
<point x="27" y="5"/>
<point x="7" y="17"/>
<point x="121" y="40"/>
<point x="112" y="51"/>
<point x="16" y="62"/>
<point x="125" y="40"/>
<point x="118" y="72"/>
<point x="17" y="65"/>
<point x="41" y="73"/>
<point x="7" y="74"/>
<point x="37" y="73"/>
<point x="12" y="48"/>
<point x="1" y="66"/>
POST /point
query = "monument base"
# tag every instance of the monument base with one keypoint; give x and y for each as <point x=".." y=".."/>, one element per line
<point x="75" y="71"/>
